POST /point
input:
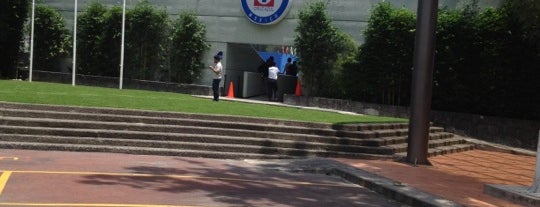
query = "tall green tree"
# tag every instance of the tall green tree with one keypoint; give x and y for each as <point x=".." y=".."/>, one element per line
<point x="188" y="47"/>
<point x="13" y="13"/>
<point x="318" y="44"/>
<point x="52" y="40"/>
<point x="147" y="32"/>
<point x="523" y="55"/>
<point x="111" y="42"/>
<point x="383" y="74"/>
<point x="527" y="14"/>
<point x="91" y="25"/>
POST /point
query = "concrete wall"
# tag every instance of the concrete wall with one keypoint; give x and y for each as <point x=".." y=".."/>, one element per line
<point x="226" y="23"/>
<point x="113" y="82"/>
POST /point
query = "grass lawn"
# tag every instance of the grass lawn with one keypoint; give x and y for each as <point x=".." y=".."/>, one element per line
<point x="64" y="94"/>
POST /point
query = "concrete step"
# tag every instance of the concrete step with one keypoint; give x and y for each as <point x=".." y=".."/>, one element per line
<point x="175" y="133"/>
<point x="384" y="141"/>
<point x="79" y="128"/>
<point x="187" y="149"/>
<point x="29" y="109"/>
<point x="10" y="116"/>
<point x="399" y="148"/>
<point x="137" y="150"/>
<point x="233" y="144"/>
<point x="444" y="150"/>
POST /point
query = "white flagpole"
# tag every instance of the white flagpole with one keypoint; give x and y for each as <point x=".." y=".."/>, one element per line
<point x="122" y="45"/>
<point x="74" y="69"/>
<point x="32" y="43"/>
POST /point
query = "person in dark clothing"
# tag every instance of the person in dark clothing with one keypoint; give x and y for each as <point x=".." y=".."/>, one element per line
<point x="292" y="69"/>
<point x="287" y="66"/>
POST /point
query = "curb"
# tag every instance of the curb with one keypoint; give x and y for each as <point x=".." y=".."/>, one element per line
<point x="387" y="187"/>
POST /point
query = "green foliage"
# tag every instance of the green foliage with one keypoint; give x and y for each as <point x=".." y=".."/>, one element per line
<point x="154" y="50"/>
<point x="486" y="61"/>
<point x="52" y="40"/>
<point x="90" y="35"/>
<point x="319" y="44"/>
<point x="13" y="13"/>
<point x="385" y="59"/>
<point x="147" y="32"/>
<point x="99" y="40"/>
<point x="188" y="47"/>
<point x="526" y="14"/>
<point x="111" y="42"/>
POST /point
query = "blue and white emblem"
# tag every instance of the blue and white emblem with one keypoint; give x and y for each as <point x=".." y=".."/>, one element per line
<point x="265" y="12"/>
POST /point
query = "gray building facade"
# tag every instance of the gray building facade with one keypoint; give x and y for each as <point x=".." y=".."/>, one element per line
<point x="230" y="31"/>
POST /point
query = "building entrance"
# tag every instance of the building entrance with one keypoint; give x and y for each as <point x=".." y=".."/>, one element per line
<point x="242" y="69"/>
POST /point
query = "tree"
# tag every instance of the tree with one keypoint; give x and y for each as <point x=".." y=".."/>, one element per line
<point x="51" y="38"/>
<point x="318" y="44"/>
<point x="91" y="26"/>
<point x="111" y="42"/>
<point x="147" y="32"/>
<point x="383" y="74"/>
<point x="527" y="14"/>
<point x="13" y="13"/>
<point x="188" y="46"/>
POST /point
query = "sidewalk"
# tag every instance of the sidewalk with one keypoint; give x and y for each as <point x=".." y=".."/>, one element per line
<point x="459" y="177"/>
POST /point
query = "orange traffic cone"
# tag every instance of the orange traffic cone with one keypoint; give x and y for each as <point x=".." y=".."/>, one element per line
<point x="298" y="91"/>
<point x="230" y="94"/>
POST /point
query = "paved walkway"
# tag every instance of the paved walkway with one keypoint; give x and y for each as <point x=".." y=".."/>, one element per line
<point x="89" y="179"/>
<point x="104" y="179"/>
<point x="459" y="177"/>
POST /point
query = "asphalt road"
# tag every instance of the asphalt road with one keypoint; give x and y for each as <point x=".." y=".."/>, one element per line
<point x="50" y="178"/>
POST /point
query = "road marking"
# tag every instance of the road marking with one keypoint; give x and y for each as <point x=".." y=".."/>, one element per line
<point x="3" y="180"/>
<point x="88" y="205"/>
<point x="188" y="177"/>
<point x="9" y="158"/>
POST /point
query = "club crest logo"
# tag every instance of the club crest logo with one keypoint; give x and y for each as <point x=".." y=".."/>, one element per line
<point x="266" y="3"/>
<point x="265" y="12"/>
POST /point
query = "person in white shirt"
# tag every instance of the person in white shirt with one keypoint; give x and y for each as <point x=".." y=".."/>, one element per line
<point x="273" y="72"/>
<point x="217" y="69"/>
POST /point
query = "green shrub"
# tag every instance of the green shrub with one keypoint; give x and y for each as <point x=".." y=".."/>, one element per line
<point x="385" y="59"/>
<point x="147" y="42"/>
<point x="487" y="61"/>
<point x="188" y="47"/>
<point x="90" y="36"/>
<point x="52" y="40"/>
<point x="13" y="13"/>
<point x="319" y="44"/>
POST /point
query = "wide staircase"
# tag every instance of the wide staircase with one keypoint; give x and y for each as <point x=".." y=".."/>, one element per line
<point x="46" y="127"/>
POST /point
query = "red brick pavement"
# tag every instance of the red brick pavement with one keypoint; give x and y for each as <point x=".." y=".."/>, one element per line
<point x="459" y="177"/>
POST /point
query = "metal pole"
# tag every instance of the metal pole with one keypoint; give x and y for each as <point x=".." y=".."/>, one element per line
<point x="122" y="45"/>
<point x="421" y="90"/>
<point x="32" y="42"/>
<point x="74" y="69"/>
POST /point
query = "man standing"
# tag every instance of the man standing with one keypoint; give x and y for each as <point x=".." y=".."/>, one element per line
<point x="272" y="81"/>
<point x="217" y="69"/>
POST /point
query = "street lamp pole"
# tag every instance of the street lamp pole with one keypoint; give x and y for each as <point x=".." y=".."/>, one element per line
<point x="421" y="90"/>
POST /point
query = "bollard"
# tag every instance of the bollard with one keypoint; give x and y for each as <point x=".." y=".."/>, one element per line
<point x="535" y="188"/>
